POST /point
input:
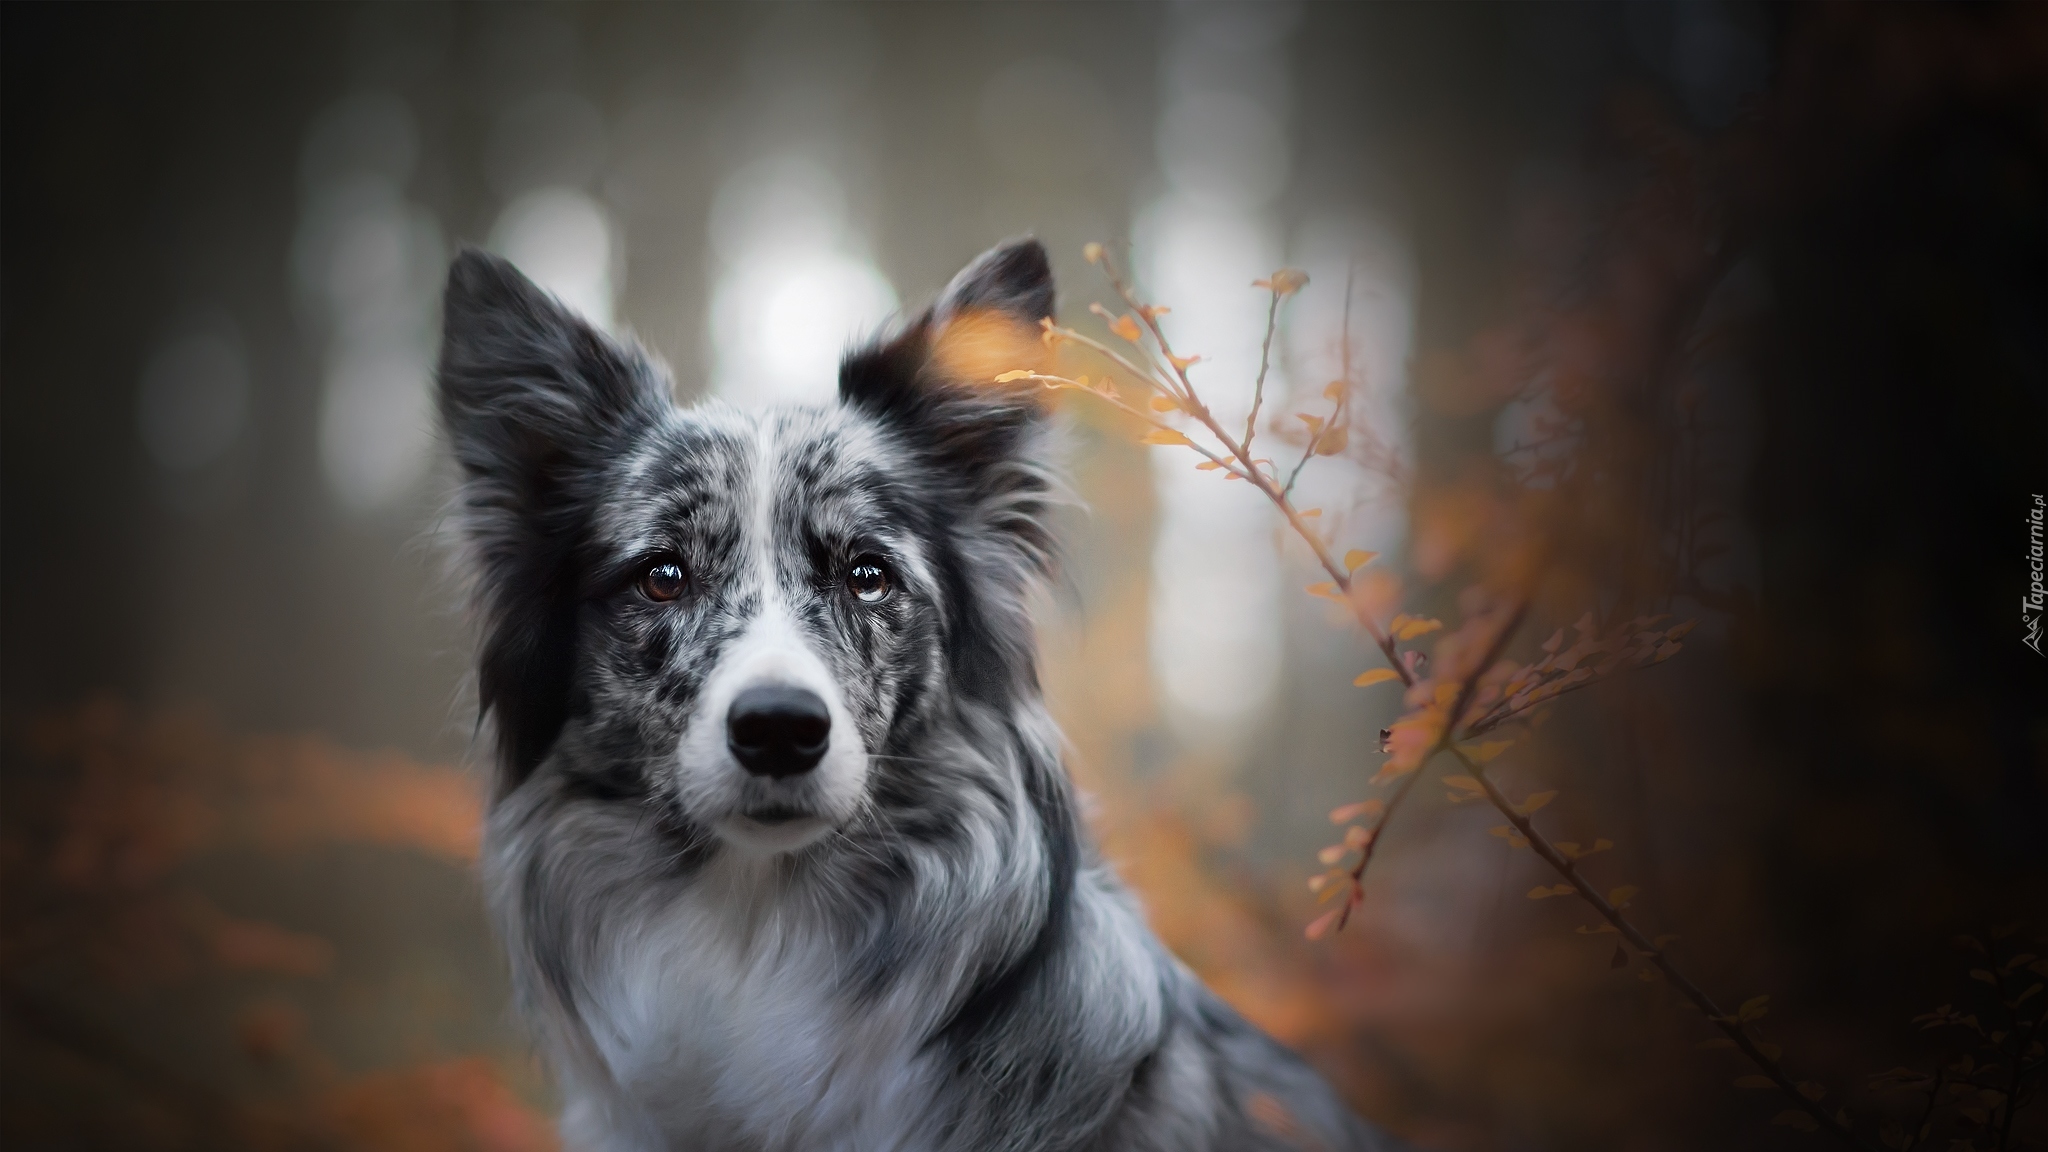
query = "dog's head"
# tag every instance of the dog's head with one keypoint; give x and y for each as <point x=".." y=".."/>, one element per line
<point x="739" y="615"/>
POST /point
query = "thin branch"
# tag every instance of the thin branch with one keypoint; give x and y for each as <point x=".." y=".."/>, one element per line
<point x="1927" y="1113"/>
<point x="1195" y="408"/>
<point x="1465" y="693"/>
<point x="1729" y="1025"/>
<point x="1251" y="422"/>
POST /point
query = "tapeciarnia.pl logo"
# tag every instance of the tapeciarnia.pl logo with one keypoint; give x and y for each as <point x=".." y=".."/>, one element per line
<point x="2036" y="597"/>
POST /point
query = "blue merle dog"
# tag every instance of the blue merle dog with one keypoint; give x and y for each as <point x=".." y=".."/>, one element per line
<point x="780" y="841"/>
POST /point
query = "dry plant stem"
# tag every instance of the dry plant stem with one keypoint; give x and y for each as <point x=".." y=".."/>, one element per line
<point x="1251" y="421"/>
<point x="2019" y="1060"/>
<point x="1251" y="472"/>
<point x="1465" y="691"/>
<point x="1608" y="912"/>
<point x="1926" y="1114"/>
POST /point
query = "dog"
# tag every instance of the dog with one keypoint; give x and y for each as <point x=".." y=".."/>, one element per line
<point x="780" y="841"/>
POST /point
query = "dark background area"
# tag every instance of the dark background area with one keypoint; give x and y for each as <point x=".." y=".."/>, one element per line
<point x="1846" y="770"/>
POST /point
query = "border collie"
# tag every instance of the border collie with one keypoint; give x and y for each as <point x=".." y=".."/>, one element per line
<point x="780" y="841"/>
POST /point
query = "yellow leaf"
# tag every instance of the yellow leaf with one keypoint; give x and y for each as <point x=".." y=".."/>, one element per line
<point x="1164" y="436"/>
<point x="1376" y="676"/>
<point x="1665" y="941"/>
<point x="1466" y="783"/>
<point x="1164" y="404"/>
<point x="1679" y="632"/>
<point x="1622" y="895"/>
<point x="1182" y="363"/>
<point x="1091" y="252"/>
<point x="1334" y="441"/>
<point x="1310" y="514"/>
<point x="1754" y="1008"/>
<point x="1488" y="751"/>
<point x="1284" y="282"/>
<point x="1771" y="1051"/>
<point x="1542" y="893"/>
<point x="1536" y="802"/>
<point x="1666" y="652"/>
<point x="1600" y="846"/>
<point x="1019" y="374"/>
<point x="1754" y="1081"/>
<point x="1327" y="590"/>
<point x="1597" y="929"/>
<point x="1350" y="812"/>
<point x="1508" y="833"/>
<point x="1207" y="466"/>
<point x="1414" y="628"/>
<point x="1127" y="328"/>
<point x="1334" y="389"/>
<point x="1358" y="558"/>
<point x="1812" y="1090"/>
<point x="1569" y="849"/>
<point x="1718" y="1042"/>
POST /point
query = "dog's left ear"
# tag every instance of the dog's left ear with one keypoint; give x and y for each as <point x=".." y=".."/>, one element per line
<point x="934" y="382"/>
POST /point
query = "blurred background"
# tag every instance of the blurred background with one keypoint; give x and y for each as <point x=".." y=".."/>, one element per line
<point x="1737" y="309"/>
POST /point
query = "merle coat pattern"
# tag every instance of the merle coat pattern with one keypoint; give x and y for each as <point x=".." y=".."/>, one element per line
<point x="860" y="915"/>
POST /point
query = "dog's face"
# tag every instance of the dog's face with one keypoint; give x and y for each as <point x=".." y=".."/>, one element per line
<point x="745" y="619"/>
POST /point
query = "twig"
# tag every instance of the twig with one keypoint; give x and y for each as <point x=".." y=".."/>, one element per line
<point x="1465" y="692"/>
<point x="1729" y="1025"/>
<point x="1251" y="421"/>
<point x="1255" y="476"/>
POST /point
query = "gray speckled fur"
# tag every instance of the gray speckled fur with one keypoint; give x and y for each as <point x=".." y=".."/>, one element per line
<point x="932" y="958"/>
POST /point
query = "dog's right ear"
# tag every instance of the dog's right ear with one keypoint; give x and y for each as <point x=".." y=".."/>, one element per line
<point x="533" y="401"/>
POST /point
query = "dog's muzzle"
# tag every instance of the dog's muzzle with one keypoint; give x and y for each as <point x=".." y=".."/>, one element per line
<point x="778" y="730"/>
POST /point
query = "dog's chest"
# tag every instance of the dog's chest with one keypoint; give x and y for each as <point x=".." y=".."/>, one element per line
<point x="724" y="1025"/>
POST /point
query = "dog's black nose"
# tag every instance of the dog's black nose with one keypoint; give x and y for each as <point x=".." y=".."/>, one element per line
<point x="778" y="731"/>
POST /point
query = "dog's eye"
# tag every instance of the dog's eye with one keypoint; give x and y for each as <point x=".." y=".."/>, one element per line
<point x="664" y="580"/>
<point x="868" y="580"/>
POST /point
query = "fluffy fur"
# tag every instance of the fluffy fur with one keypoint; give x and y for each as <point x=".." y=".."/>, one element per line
<point x="910" y="946"/>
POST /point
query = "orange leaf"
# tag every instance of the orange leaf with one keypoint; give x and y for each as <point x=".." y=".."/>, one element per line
<point x="1326" y="590"/>
<point x="1350" y="812"/>
<point x="1180" y="363"/>
<point x="1414" y="628"/>
<point x="1358" y="558"/>
<point x="1791" y="1117"/>
<point x="1091" y="252"/>
<point x="1376" y="676"/>
<point x="1466" y="783"/>
<point x="1543" y="893"/>
<point x="1127" y="328"/>
<point x="1490" y="750"/>
<point x="1755" y="1082"/>
<point x="1285" y="282"/>
<point x="1536" y="802"/>
<point x="1321" y="925"/>
<point x="1622" y="895"/>
<point x="1310" y="514"/>
<point x="1334" y="389"/>
<point x="1165" y="436"/>
<point x="1019" y="374"/>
